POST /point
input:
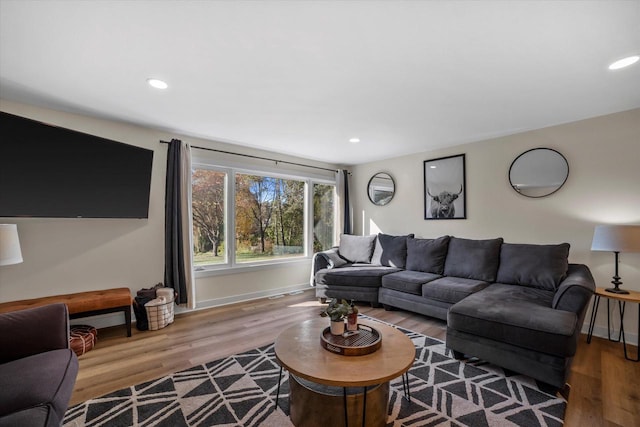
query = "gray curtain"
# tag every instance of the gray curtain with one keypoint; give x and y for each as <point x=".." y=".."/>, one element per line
<point x="346" y="206"/>
<point x="175" y="274"/>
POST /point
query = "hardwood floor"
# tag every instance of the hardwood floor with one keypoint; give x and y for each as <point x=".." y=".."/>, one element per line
<point x="605" y="388"/>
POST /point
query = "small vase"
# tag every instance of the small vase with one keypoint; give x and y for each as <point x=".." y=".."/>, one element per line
<point x="337" y="327"/>
<point x="352" y="322"/>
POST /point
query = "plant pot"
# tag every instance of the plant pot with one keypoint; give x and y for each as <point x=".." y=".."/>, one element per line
<point x="337" y="327"/>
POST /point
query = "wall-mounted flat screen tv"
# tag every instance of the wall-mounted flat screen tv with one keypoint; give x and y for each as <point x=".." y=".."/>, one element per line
<point x="52" y="172"/>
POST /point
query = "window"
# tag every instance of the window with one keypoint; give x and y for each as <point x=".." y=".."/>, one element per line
<point x="208" y="195"/>
<point x="323" y="216"/>
<point x="243" y="218"/>
<point x="269" y="218"/>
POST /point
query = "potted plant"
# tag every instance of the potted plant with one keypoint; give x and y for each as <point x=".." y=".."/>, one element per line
<point x="336" y="311"/>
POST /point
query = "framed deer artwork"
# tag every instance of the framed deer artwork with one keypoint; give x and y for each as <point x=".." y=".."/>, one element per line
<point x="445" y="188"/>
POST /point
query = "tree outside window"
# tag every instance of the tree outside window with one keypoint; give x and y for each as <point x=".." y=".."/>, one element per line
<point x="269" y="218"/>
<point x="268" y="221"/>
<point x="208" y="205"/>
<point x="323" y="216"/>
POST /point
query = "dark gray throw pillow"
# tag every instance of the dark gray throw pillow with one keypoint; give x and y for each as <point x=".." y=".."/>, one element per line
<point x="427" y="255"/>
<point x="356" y="248"/>
<point x="535" y="266"/>
<point x="390" y="251"/>
<point x="473" y="259"/>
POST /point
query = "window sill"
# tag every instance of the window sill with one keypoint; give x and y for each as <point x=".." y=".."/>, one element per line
<point x="247" y="268"/>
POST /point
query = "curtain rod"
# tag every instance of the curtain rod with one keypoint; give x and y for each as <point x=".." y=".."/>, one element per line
<point x="258" y="157"/>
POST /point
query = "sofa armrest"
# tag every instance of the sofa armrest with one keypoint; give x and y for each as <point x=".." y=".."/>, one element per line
<point x="326" y="259"/>
<point x="575" y="291"/>
<point x="35" y="330"/>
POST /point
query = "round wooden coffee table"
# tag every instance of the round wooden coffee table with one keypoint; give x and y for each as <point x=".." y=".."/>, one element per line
<point x="321" y="378"/>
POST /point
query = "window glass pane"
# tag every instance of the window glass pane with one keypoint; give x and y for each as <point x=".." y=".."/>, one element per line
<point x="323" y="216"/>
<point x="269" y="218"/>
<point x="208" y="205"/>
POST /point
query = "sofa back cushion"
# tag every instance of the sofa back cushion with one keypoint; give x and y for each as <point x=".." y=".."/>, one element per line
<point x="390" y="251"/>
<point x="427" y="255"/>
<point x="473" y="259"/>
<point x="356" y="248"/>
<point x="536" y="266"/>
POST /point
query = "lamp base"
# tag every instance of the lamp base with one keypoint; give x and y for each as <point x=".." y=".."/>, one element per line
<point x="617" y="291"/>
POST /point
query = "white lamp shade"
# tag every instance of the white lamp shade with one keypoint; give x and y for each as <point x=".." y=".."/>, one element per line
<point x="616" y="238"/>
<point x="9" y="245"/>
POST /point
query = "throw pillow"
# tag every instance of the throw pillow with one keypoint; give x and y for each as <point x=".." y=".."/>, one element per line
<point x="356" y="248"/>
<point x="473" y="259"/>
<point x="535" y="266"/>
<point x="427" y="255"/>
<point x="333" y="259"/>
<point x="390" y="251"/>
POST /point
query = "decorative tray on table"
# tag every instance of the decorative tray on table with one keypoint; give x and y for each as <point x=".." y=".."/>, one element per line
<point x="365" y="340"/>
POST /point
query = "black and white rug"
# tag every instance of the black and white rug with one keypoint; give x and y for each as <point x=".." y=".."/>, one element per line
<point x="240" y="391"/>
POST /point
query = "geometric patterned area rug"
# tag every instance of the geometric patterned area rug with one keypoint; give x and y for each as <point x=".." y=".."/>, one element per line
<point x="240" y="391"/>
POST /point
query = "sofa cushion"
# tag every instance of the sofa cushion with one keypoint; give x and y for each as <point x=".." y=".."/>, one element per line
<point x="516" y="315"/>
<point x="356" y="248"/>
<point x="473" y="259"/>
<point x="408" y="281"/>
<point x="452" y="289"/>
<point x="354" y="275"/>
<point x="537" y="266"/>
<point x="427" y="255"/>
<point x="41" y="383"/>
<point x="390" y="251"/>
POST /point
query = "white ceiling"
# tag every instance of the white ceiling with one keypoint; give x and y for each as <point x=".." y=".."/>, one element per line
<point x="302" y="77"/>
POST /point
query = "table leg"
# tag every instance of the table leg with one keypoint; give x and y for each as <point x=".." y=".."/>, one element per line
<point x="624" y="342"/>
<point x="278" y="392"/>
<point x="407" y="390"/>
<point x="405" y="386"/>
<point x="594" y="312"/>
<point x="621" y="309"/>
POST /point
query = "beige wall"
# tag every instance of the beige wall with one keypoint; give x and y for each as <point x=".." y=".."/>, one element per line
<point x="603" y="187"/>
<point x="73" y="255"/>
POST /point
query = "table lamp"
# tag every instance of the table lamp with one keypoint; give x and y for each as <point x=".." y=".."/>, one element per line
<point x="616" y="239"/>
<point x="9" y="245"/>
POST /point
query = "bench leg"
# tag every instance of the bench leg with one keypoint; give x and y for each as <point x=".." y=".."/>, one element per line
<point x="127" y="318"/>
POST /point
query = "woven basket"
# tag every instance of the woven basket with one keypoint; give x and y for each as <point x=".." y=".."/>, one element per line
<point x="82" y="338"/>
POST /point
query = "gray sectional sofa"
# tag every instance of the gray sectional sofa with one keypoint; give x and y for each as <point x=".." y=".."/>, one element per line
<point x="520" y="306"/>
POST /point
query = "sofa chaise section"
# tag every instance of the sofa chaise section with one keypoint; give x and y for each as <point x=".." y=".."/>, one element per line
<point x="530" y="320"/>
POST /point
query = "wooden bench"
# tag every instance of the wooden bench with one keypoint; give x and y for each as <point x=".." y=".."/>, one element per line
<point x="83" y="304"/>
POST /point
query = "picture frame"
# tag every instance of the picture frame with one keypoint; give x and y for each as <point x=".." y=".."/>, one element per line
<point x="445" y="188"/>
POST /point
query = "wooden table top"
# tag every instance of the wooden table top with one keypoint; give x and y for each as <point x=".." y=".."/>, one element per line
<point x="632" y="296"/>
<point x="298" y="350"/>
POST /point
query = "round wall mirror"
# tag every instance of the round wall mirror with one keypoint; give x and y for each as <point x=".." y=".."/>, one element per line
<point x="538" y="172"/>
<point x="381" y="188"/>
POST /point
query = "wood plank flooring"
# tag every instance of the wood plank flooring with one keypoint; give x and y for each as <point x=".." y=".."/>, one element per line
<point x="605" y="388"/>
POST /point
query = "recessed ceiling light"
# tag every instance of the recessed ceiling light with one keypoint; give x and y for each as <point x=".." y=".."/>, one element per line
<point x="354" y="140"/>
<point x="158" y="84"/>
<point x="624" y="62"/>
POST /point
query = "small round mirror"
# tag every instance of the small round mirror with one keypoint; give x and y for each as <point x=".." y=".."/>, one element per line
<point x="538" y="172"/>
<point x="381" y="188"/>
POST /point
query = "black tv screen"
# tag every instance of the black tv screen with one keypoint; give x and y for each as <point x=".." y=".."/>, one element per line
<point x="52" y="172"/>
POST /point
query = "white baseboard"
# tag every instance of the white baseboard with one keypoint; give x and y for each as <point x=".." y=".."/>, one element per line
<point x="601" y="331"/>
<point x="116" y="319"/>
<point x="217" y="302"/>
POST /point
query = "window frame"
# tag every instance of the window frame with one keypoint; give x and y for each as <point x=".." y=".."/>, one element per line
<point x="231" y="265"/>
